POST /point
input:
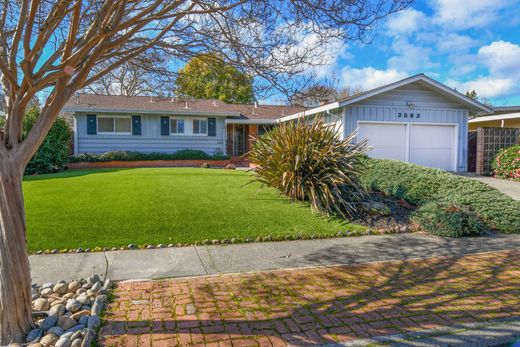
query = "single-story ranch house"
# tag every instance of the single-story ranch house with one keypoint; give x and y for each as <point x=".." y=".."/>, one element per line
<point x="416" y="120"/>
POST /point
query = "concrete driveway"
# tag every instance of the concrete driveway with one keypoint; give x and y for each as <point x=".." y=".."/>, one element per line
<point x="507" y="187"/>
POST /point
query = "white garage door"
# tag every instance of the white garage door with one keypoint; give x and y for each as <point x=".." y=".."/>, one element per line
<point x="388" y="141"/>
<point x="433" y="146"/>
<point x="424" y="144"/>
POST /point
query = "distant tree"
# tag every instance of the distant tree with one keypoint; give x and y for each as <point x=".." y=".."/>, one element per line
<point x="208" y="76"/>
<point x="473" y="95"/>
<point x="321" y="92"/>
<point x="143" y="75"/>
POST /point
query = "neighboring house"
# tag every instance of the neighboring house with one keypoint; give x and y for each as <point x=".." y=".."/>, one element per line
<point x="503" y="117"/>
<point x="416" y="120"/>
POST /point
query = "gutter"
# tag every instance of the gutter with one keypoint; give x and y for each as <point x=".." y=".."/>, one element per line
<point x="186" y="112"/>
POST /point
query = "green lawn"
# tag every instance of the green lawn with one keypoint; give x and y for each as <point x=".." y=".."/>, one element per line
<point x="109" y="208"/>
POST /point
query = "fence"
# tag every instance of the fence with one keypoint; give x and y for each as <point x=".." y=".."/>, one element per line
<point x="489" y="142"/>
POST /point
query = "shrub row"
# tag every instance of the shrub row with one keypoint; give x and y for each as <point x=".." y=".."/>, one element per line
<point x="507" y="163"/>
<point x="186" y="154"/>
<point x="450" y="205"/>
<point x="53" y="153"/>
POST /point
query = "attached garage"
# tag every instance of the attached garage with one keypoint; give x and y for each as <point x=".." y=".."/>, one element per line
<point x="432" y="145"/>
<point x="416" y="120"/>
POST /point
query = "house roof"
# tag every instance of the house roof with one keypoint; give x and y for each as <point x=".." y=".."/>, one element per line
<point x="441" y="88"/>
<point x="164" y="105"/>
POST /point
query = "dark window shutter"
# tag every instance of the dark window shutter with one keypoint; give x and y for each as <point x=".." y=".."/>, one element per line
<point x="165" y="126"/>
<point x="136" y="125"/>
<point x="212" y="127"/>
<point x="91" y="124"/>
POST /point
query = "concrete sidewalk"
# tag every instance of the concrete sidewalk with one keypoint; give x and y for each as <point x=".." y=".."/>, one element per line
<point x="510" y="188"/>
<point x="204" y="260"/>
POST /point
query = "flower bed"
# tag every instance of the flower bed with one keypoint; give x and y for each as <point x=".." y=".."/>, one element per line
<point x="507" y="163"/>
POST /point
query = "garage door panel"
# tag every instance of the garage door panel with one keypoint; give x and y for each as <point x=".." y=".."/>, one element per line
<point x="436" y="158"/>
<point x="432" y="145"/>
<point x="429" y="145"/>
<point x="388" y="141"/>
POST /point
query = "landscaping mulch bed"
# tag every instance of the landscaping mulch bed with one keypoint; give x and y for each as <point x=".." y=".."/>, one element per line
<point x="398" y="221"/>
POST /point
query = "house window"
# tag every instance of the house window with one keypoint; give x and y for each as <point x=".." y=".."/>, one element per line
<point x="264" y="128"/>
<point x="176" y="126"/>
<point x="200" y="126"/>
<point x="114" y="125"/>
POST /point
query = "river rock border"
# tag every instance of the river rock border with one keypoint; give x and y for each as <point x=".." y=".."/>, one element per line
<point x="68" y="314"/>
<point x="234" y="240"/>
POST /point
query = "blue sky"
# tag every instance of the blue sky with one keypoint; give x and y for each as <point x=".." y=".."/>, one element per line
<point x="466" y="44"/>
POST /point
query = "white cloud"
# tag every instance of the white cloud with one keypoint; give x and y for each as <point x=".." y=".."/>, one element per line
<point x="488" y="87"/>
<point x="456" y="43"/>
<point x="369" y="77"/>
<point x="410" y="58"/>
<point x="501" y="58"/>
<point x="468" y="13"/>
<point x="406" y="22"/>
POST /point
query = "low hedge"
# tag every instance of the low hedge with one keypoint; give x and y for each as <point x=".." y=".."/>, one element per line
<point x="507" y="163"/>
<point x="420" y="185"/>
<point x="449" y="220"/>
<point x="186" y="154"/>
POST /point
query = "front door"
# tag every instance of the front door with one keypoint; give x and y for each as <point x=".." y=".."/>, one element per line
<point x="239" y="136"/>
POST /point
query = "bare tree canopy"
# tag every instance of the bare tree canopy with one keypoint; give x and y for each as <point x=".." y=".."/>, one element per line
<point x="321" y="92"/>
<point x="61" y="46"/>
<point x="148" y="74"/>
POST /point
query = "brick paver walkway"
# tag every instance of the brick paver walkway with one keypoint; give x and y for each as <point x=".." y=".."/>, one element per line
<point x="314" y="305"/>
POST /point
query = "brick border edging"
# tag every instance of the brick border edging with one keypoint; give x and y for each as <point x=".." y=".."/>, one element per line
<point x="147" y="163"/>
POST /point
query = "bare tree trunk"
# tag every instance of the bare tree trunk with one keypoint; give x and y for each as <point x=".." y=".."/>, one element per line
<point x="15" y="279"/>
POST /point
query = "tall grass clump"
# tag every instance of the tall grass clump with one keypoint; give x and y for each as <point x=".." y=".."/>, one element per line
<point x="310" y="162"/>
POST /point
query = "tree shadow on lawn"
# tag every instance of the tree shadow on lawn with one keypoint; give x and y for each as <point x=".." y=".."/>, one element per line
<point x="316" y="305"/>
<point x="70" y="174"/>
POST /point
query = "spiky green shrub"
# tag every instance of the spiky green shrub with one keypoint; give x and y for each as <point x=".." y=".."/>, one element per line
<point x="507" y="163"/>
<point x="449" y="220"/>
<point x="309" y="162"/>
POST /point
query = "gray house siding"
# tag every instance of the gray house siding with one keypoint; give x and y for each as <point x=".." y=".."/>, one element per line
<point x="150" y="139"/>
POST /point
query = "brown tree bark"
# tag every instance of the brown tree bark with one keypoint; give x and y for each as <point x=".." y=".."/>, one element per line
<point x="15" y="281"/>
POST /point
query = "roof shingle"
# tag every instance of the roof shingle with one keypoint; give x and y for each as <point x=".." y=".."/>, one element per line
<point x="164" y="104"/>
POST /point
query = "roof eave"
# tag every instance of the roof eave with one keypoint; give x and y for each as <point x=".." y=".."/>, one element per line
<point x="251" y="121"/>
<point x="475" y="105"/>
<point x="310" y="112"/>
<point x="186" y="112"/>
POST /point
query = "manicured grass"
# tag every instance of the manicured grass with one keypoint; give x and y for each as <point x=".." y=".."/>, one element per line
<point x="109" y="208"/>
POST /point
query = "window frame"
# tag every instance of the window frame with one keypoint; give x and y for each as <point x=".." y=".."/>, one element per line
<point x="114" y="132"/>
<point x="183" y="130"/>
<point x="193" y="126"/>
